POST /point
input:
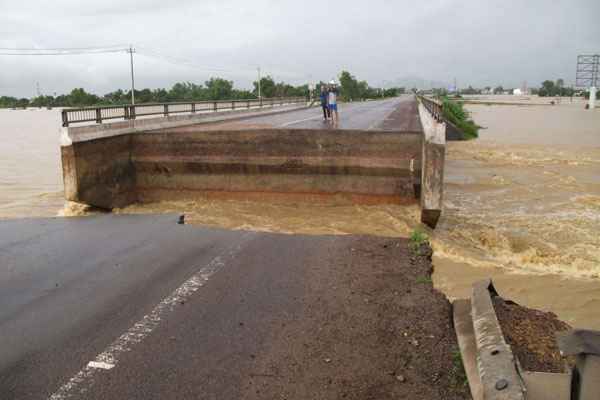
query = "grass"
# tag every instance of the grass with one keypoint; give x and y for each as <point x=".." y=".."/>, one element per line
<point x="424" y="279"/>
<point x="417" y="238"/>
<point x="458" y="374"/>
<point x="455" y="113"/>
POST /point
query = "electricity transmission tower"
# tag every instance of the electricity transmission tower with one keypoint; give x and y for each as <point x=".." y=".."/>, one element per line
<point x="588" y="74"/>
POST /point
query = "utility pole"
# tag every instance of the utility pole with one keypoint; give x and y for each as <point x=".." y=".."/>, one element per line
<point x="259" y="83"/>
<point x="131" y="50"/>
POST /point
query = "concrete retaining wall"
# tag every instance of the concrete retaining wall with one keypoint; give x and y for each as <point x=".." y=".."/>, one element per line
<point x="115" y="171"/>
<point x="100" y="172"/>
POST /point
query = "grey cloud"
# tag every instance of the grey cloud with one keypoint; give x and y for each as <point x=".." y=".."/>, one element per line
<point x="477" y="42"/>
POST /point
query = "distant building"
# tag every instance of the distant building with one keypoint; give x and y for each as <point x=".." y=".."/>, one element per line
<point x="517" y="92"/>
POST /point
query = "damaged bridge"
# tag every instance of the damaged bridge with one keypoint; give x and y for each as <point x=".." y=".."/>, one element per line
<point x="389" y="151"/>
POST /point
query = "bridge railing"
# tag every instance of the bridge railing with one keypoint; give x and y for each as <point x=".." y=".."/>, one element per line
<point x="435" y="107"/>
<point x="128" y="112"/>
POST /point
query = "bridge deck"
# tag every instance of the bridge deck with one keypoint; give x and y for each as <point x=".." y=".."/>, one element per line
<point x="398" y="114"/>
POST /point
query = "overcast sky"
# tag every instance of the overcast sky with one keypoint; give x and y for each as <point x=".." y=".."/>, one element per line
<point x="478" y="42"/>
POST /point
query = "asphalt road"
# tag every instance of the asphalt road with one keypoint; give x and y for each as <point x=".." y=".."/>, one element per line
<point x="399" y="113"/>
<point x="162" y="310"/>
<point x="68" y="286"/>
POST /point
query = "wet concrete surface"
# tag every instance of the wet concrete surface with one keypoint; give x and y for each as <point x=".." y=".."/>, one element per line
<point x="397" y="113"/>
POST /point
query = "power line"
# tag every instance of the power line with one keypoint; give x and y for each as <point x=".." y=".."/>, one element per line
<point x="59" y="52"/>
<point x="63" y="53"/>
<point x="111" y="49"/>
<point x="63" y="48"/>
<point x="179" y="61"/>
<point x="187" y="63"/>
<point x="120" y="48"/>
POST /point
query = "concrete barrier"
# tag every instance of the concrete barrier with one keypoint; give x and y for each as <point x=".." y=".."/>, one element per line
<point x="115" y="171"/>
<point x="74" y="134"/>
<point x="432" y="167"/>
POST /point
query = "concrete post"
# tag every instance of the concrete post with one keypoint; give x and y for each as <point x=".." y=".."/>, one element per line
<point x="592" y="102"/>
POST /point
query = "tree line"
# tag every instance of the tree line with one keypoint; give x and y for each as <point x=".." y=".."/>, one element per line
<point x="213" y="89"/>
<point x="352" y="89"/>
<point x="548" y="88"/>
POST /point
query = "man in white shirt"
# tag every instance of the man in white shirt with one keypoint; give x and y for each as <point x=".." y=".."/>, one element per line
<point x="332" y="101"/>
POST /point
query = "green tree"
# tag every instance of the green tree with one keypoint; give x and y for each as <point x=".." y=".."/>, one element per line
<point x="22" y="103"/>
<point x="116" y="97"/>
<point x="80" y="98"/>
<point x="349" y="86"/>
<point x="181" y="91"/>
<point x="42" y="101"/>
<point x="548" y="89"/>
<point x="470" y="90"/>
<point x="160" y="96"/>
<point x="267" y="87"/>
<point x="219" y="89"/>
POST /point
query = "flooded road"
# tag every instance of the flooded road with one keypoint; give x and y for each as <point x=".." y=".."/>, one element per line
<point x="522" y="204"/>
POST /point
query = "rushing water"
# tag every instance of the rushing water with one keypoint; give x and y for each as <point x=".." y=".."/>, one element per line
<point x="30" y="172"/>
<point x="522" y="204"/>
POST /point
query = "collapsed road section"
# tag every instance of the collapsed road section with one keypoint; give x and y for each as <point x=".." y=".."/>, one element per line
<point x="141" y="307"/>
<point x="113" y="168"/>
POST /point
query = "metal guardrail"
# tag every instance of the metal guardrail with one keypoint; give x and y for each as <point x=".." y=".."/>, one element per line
<point x="434" y="107"/>
<point x="128" y="112"/>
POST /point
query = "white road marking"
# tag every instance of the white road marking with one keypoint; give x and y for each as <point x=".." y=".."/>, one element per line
<point x="386" y="117"/>
<point x="101" y="365"/>
<point x="300" y="120"/>
<point x="373" y="125"/>
<point x="81" y="382"/>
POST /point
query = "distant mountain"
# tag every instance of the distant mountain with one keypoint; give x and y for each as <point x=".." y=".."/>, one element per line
<point x="410" y="82"/>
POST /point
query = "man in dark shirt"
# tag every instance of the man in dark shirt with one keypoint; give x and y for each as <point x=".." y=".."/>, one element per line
<point x="324" y="104"/>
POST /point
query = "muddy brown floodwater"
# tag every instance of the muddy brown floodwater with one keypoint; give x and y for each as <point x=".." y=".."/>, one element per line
<point x="522" y="204"/>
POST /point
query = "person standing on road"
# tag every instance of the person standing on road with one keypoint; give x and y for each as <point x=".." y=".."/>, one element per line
<point x="324" y="104"/>
<point x="332" y="101"/>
